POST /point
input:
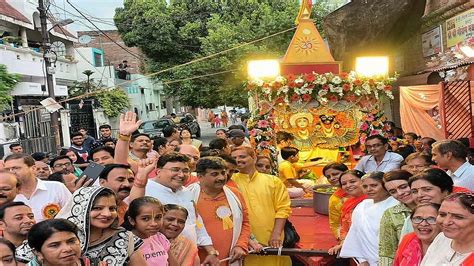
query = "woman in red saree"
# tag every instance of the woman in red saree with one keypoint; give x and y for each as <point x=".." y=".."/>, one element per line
<point x="414" y="245"/>
<point x="351" y="183"/>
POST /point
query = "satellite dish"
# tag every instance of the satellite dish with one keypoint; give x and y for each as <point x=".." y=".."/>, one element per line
<point x="85" y="39"/>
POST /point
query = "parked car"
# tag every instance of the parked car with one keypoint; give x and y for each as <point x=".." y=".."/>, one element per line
<point x="154" y="128"/>
<point x="189" y="121"/>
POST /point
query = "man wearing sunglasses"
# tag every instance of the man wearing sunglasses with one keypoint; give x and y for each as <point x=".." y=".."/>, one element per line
<point x="379" y="158"/>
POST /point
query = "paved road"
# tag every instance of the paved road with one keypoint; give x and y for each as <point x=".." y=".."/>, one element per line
<point x="207" y="133"/>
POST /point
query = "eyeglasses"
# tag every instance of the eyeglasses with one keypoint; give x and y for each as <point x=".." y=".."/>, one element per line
<point x="419" y="220"/>
<point x="185" y="171"/>
<point x="62" y="165"/>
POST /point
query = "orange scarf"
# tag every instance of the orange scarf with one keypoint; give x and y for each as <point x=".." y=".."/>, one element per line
<point x="346" y="214"/>
<point x="184" y="251"/>
<point x="350" y="204"/>
<point x="340" y="193"/>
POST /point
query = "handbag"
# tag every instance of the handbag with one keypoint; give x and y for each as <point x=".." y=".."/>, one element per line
<point x="291" y="236"/>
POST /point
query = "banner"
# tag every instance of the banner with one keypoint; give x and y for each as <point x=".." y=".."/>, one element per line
<point x="460" y="28"/>
<point x="432" y="42"/>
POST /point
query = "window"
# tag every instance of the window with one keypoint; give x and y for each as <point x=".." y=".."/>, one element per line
<point x="98" y="59"/>
<point x="59" y="48"/>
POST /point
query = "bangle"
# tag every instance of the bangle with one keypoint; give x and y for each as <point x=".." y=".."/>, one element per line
<point x="124" y="137"/>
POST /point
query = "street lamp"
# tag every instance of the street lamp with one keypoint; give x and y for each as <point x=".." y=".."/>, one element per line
<point x="372" y="66"/>
<point x="259" y="69"/>
<point x="62" y="23"/>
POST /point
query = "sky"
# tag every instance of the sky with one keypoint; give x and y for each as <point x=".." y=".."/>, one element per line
<point x="101" y="12"/>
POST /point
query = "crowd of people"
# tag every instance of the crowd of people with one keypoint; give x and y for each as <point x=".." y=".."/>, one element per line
<point x="172" y="201"/>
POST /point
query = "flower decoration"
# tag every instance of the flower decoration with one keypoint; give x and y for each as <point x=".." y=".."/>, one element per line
<point x="324" y="88"/>
<point x="372" y="123"/>
<point x="263" y="124"/>
<point x="295" y="97"/>
<point x="51" y="210"/>
<point x="306" y="97"/>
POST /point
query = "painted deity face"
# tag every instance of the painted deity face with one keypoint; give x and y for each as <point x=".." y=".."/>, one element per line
<point x="302" y="122"/>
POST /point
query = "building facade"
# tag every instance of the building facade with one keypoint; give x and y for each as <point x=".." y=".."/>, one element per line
<point x="21" y="51"/>
<point x="115" y="66"/>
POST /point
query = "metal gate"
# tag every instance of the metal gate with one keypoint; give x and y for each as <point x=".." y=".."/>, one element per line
<point x="37" y="132"/>
<point x="81" y="115"/>
<point x="457" y="109"/>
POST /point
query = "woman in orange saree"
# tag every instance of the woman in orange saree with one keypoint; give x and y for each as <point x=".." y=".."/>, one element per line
<point x="183" y="252"/>
<point x="351" y="183"/>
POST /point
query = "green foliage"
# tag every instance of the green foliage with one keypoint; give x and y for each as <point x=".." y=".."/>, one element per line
<point x="175" y="33"/>
<point x="7" y="83"/>
<point x="83" y="87"/>
<point x="113" y="101"/>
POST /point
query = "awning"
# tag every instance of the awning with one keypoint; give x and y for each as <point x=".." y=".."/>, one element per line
<point x="420" y="79"/>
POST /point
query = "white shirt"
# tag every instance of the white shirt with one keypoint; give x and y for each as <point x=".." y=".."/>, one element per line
<point x="183" y="198"/>
<point x="463" y="176"/>
<point x="362" y="240"/>
<point x="391" y="161"/>
<point x="47" y="195"/>
<point x="441" y="253"/>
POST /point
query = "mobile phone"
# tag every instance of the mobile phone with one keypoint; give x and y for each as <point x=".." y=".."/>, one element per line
<point x="93" y="171"/>
<point x="316" y="159"/>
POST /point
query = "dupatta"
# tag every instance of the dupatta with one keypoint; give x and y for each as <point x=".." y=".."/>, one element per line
<point x="409" y="251"/>
<point x="77" y="211"/>
<point x="184" y="251"/>
<point x="236" y="208"/>
<point x="346" y="213"/>
<point x="115" y="250"/>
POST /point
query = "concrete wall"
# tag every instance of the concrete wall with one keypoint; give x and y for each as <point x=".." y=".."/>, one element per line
<point x="114" y="55"/>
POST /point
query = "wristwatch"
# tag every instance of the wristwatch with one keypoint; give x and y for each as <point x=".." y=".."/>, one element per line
<point x="214" y="252"/>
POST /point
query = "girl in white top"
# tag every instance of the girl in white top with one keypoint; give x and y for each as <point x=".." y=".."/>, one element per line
<point x="362" y="241"/>
<point x="455" y="245"/>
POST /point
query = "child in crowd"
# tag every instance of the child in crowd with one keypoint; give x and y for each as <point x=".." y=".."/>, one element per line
<point x="289" y="170"/>
<point x="144" y="218"/>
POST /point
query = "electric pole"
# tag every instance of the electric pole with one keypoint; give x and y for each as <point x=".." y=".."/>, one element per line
<point x="49" y="71"/>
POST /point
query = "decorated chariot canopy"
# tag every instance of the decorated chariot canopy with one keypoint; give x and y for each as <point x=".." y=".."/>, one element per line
<point x="323" y="108"/>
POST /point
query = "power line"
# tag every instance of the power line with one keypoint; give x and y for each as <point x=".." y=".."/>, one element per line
<point x="105" y="23"/>
<point x="158" y="72"/>
<point x="107" y="36"/>
<point x="198" y="77"/>
<point x="85" y="59"/>
<point x="58" y="8"/>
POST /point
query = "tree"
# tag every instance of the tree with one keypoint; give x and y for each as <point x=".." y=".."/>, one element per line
<point x="7" y="83"/>
<point x="114" y="102"/>
<point x="175" y="33"/>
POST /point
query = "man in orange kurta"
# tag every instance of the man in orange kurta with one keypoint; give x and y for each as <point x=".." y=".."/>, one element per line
<point x="223" y="210"/>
